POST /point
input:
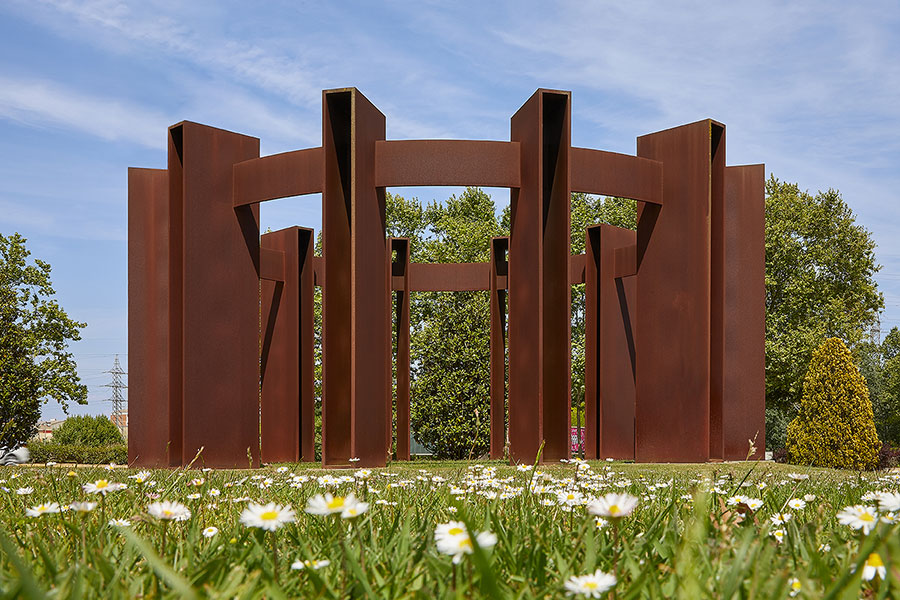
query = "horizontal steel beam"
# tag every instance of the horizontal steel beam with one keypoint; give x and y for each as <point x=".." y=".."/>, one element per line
<point x="278" y="176"/>
<point x="401" y="163"/>
<point x="613" y="174"/>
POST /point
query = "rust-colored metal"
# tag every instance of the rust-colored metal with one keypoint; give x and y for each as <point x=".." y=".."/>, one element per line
<point x="743" y="414"/>
<point x="609" y="377"/>
<point x="672" y="331"/>
<point x="148" y="312"/>
<point x="499" y="270"/>
<point x="539" y="291"/>
<point x="356" y="297"/>
<point x="400" y="272"/>
<point x="278" y="176"/>
<point x="446" y="162"/>
<point x="214" y="308"/>
<point x="612" y="174"/>
<point x="287" y="409"/>
<point x="695" y="306"/>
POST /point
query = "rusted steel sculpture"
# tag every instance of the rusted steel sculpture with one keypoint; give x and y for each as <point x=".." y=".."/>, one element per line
<point x="220" y="320"/>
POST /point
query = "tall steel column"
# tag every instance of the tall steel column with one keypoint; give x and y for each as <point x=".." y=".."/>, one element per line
<point x="148" y="313"/>
<point x="499" y="277"/>
<point x="400" y="285"/>
<point x="672" y="333"/>
<point x="356" y="295"/>
<point x="287" y="409"/>
<point x="214" y="287"/>
<point x="609" y="378"/>
<point x="539" y="290"/>
<point x="743" y="410"/>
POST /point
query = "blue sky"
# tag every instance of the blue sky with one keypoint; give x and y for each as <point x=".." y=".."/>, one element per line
<point x="87" y="89"/>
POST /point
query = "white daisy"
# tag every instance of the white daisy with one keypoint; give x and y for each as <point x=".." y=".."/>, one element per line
<point x="102" y="486"/>
<point x="210" y="531"/>
<point x="169" y="511"/>
<point x="593" y="585"/>
<point x="874" y="566"/>
<point x="354" y="510"/>
<point x="120" y="523"/>
<point x="299" y="565"/>
<point x="269" y="516"/>
<point x="41" y="509"/>
<point x="328" y="504"/>
<point x="858" y="517"/>
<point x="83" y="506"/>
<point x="796" y="504"/>
<point x="613" y="506"/>
<point x="888" y="501"/>
<point x="453" y="539"/>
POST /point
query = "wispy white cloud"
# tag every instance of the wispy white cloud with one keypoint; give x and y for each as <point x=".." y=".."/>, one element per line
<point x="44" y="103"/>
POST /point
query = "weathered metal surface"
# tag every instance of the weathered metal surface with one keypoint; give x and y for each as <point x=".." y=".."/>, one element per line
<point x="745" y="318"/>
<point x="539" y="288"/>
<point x="214" y="309"/>
<point x="576" y="269"/>
<point x="609" y="386"/>
<point x="356" y="297"/>
<point x="446" y="162"/>
<point x="449" y="277"/>
<point x="271" y="263"/>
<point x="287" y="409"/>
<point x="400" y="270"/>
<point x="148" y="315"/>
<point x="499" y="270"/>
<point x="612" y="174"/>
<point x="717" y="392"/>
<point x="278" y="176"/>
<point x="672" y="331"/>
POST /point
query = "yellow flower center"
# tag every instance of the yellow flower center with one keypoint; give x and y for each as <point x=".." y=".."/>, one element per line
<point x="614" y="509"/>
<point x="866" y="517"/>
<point x="102" y="484"/>
<point x="465" y="542"/>
<point x="336" y="502"/>
<point x="455" y="531"/>
<point x="269" y="515"/>
<point x="795" y="585"/>
<point x="590" y="585"/>
<point x="168" y="513"/>
<point x="874" y="560"/>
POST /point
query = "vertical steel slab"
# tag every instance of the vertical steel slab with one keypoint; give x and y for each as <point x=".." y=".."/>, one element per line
<point x="148" y="318"/>
<point x="356" y="297"/>
<point x="539" y="291"/>
<point x="718" y="220"/>
<point x="609" y="346"/>
<point x="499" y="273"/>
<point x="743" y="413"/>
<point x="400" y="274"/>
<point x="672" y="333"/>
<point x="287" y="410"/>
<point x="214" y="314"/>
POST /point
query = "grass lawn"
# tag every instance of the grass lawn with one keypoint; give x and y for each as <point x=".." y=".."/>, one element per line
<point x="697" y="531"/>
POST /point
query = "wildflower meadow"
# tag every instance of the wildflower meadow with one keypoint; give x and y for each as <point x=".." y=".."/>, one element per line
<point x="450" y="530"/>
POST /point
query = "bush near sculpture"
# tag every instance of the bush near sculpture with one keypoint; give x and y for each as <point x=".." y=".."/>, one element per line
<point x="835" y="426"/>
<point x="50" y="451"/>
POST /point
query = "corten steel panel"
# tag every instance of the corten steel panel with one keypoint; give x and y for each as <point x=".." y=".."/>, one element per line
<point x="717" y="390"/>
<point x="499" y="268"/>
<point x="319" y="270"/>
<point x="449" y="277"/>
<point x="672" y="341"/>
<point x="287" y="408"/>
<point x="609" y="346"/>
<point x="356" y="297"/>
<point x="148" y="317"/>
<point x="612" y="174"/>
<point x="271" y="264"/>
<point x="278" y="176"/>
<point x="576" y="269"/>
<point x="745" y="321"/>
<point x="539" y="291"/>
<point x="218" y="296"/>
<point x="400" y="270"/>
<point x="446" y="162"/>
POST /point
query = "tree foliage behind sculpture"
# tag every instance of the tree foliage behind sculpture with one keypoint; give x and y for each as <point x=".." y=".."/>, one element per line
<point x="85" y="430"/>
<point x="35" y="365"/>
<point x="820" y="282"/>
<point x="835" y="426"/>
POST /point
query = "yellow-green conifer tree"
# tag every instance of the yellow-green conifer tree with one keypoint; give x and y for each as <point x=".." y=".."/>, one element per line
<point x="835" y="426"/>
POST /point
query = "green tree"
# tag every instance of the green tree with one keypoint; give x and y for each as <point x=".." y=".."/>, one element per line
<point x="88" y="431"/>
<point x="34" y="333"/>
<point x="835" y="426"/>
<point x="883" y="379"/>
<point x="450" y="339"/>
<point x="820" y="268"/>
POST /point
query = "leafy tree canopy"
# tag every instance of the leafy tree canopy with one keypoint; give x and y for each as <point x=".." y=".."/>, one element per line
<point x="34" y="333"/>
<point x="88" y="431"/>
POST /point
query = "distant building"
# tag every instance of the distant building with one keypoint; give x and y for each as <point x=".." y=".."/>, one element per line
<point x="119" y="418"/>
<point x="46" y="428"/>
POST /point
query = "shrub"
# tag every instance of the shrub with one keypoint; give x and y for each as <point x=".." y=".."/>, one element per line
<point x="88" y="431"/>
<point x="780" y="455"/>
<point x="888" y="457"/>
<point x="835" y="426"/>
<point x="51" y="451"/>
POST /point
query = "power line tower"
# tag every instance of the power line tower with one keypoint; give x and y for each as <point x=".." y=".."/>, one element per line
<point x="119" y="414"/>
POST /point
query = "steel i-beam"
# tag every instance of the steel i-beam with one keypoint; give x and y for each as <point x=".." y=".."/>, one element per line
<point x="287" y="410"/>
<point x="499" y="277"/>
<point x="356" y="297"/>
<point x="399" y="273"/>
